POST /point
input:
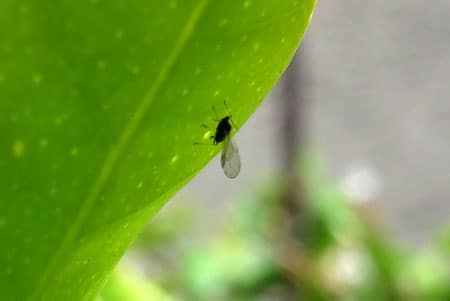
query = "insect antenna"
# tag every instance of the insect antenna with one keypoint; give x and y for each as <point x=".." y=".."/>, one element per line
<point x="201" y="143"/>
<point x="229" y="112"/>
<point x="213" y="108"/>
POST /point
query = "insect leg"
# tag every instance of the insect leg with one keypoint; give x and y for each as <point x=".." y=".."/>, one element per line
<point x="201" y="143"/>
<point x="213" y="108"/>
<point x="226" y="105"/>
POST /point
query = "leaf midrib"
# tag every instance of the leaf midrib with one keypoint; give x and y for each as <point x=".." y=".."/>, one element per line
<point x="124" y="139"/>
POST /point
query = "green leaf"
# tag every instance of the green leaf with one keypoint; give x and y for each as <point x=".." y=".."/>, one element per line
<point x="100" y="104"/>
<point x="123" y="284"/>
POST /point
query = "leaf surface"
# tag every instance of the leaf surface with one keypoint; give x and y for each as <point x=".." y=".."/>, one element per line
<point x="100" y="104"/>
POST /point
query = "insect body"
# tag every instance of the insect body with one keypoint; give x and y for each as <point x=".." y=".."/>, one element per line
<point x="229" y="160"/>
<point x="223" y="130"/>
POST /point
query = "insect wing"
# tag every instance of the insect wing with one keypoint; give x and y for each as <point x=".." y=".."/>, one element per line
<point x="230" y="161"/>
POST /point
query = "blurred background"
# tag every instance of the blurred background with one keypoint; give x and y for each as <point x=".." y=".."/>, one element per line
<point x="344" y="187"/>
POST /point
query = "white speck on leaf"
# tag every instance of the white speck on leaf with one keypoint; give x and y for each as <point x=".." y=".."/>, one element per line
<point x="135" y="70"/>
<point x="74" y="151"/>
<point x="28" y="211"/>
<point x="223" y="22"/>
<point x="37" y="78"/>
<point x="119" y="34"/>
<point x="52" y="191"/>
<point x="61" y="118"/>
<point x="174" y="159"/>
<point x="18" y="148"/>
<point x="173" y="4"/>
<point x="101" y="64"/>
<point x="207" y="135"/>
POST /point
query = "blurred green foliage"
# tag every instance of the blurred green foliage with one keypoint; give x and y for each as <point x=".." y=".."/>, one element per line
<point x="339" y="253"/>
<point x="100" y="104"/>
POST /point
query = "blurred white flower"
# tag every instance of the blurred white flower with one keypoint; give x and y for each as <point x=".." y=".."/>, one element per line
<point x="361" y="184"/>
<point x="345" y="269"/>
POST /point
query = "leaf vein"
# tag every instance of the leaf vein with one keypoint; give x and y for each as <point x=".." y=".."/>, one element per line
<point x="123" y="141"/>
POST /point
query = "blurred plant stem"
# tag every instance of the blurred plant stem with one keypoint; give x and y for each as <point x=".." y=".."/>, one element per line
<point x="289" y="255"/>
